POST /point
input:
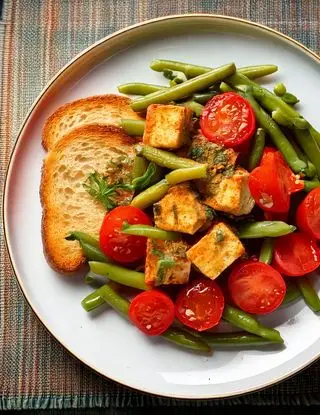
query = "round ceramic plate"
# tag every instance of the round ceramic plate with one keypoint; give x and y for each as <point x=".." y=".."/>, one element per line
<point x="104" y="341"/>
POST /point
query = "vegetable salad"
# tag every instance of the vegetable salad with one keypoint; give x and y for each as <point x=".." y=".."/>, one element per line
<point x="218" y="215"/>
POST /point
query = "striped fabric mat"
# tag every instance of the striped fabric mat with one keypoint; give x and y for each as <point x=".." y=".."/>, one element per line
<point x="37" y="37"/>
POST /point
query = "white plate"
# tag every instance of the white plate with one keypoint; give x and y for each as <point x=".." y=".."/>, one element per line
<point x="104" y="341"/>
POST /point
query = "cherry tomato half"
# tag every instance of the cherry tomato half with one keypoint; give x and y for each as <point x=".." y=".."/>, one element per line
<point x="308" y="214"/>
<point x="118" y="246"/>
<point x="200" y="304"/>
<point x="152" y="312"/>
<point x="272" y="183"/>
<point x="256" y="287"/>
<point x="228" y="119"/>
<point x="296" y="254"/>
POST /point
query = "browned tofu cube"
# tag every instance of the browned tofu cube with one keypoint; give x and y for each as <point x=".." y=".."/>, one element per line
<point x="216" y="251"/>
<point x="180" y="210"/>
<point x="167" y="126"/>
<point x="229" y="192"/>
<point x="166" y="262"/>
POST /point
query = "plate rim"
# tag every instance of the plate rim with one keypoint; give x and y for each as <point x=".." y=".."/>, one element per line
<point x="8" y="174"/>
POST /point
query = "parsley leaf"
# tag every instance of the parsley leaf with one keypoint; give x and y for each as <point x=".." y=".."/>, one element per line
<point x="102" y="190"/>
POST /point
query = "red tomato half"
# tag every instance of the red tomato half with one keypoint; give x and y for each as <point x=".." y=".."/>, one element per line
<point x="228" y="119"/>
<point x="152" y="312"/>
<point x="272" y="183"/>
<point x="308" y="214"/>
<point x="256" y="287"/>
<point x="296" y="254"/>
<point x="200" y="304"/>
<point x="118" y="246"/>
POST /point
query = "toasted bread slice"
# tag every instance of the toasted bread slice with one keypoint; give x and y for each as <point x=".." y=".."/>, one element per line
<point x="100" y="109"/>
<point x="66" y="204"/>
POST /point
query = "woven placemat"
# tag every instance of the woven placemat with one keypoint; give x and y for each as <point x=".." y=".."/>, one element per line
<point x="37" y="37"/>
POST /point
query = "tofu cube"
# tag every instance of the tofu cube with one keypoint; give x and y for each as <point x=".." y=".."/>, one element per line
<point x="166" y="262"/>
<point x="167" y="126"/>
<point x="229" y="192"/>
<point x="217" y="158"/>
<point x="216" y="251"/>
<point x="180" y="210"/>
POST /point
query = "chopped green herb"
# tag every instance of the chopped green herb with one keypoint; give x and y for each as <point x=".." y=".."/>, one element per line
<point x="219" y="235"/>
<point x="210" y="213"/>
<point x="196" y="153"/>
<point x="163" y="265"/>
<point x="103" y="191"/>
<point x="220" y="156"/>
<point x="175" y="212"/>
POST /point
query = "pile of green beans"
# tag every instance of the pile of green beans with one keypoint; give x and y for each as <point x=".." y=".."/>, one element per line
<point x="192" y="71"/>
<point x="185" y="89"/>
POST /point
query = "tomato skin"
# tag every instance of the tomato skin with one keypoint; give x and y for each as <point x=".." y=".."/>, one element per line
<point x="296" y="254"/>
<point x="256" y="288"/>
<point x="272" y="183"/>
<point x="152" y="312"/>
<point x="118" y="246"/>
<point x="228" y="119"/>
<point x="200" y="304"/>
<point x="308" y="214"/>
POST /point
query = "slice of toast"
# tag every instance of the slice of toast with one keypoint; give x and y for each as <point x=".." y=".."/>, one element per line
<point x="100" y="109"/>
<point x="66" y="204"/>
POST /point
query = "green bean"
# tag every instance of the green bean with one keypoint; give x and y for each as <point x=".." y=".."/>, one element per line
<point x="185" y="339"/>
<point x="266" y="98"/>
<point x="185" y="89"/>
<point x="114" y="300"/>
<point x="205" y="97"/>
<point x="133" y="127"/>
<point x="234" y="340"/>
<point x="289" y="99"/>
<point x="277" y="136"/>
<point x="93" y="300"/>
<point x="94" y="280"/>
<point x="151" y="195"/>
<point x="92" y="253"/>
<point x="225" y="87"/>
<point x="152" y="175"/>
<point x="83" y="236"/>
<point x="264" y="229"/>
<point x="239" y="318"/>
<point x="282" y="119"/>
<point x="119" y="274"/>
<point x="292" y="293"/>
<point x="309" y="145"/>
<point x="194" y="106"/>
<point x="310" y="185"/>
<point x="183" y="175"/>
<point x="164" y="158"/>
<point x="266" y="252"/>
<point x="309" y="294"/>
<point x="140" y="166"/>
<point x="257" y="149"/>
<point x="279" y="89"/>
<point x="150" y="232"/>
<point x="311" y="170"/>
<point x="139" y="88"/>
<point x="191" y="71"/>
